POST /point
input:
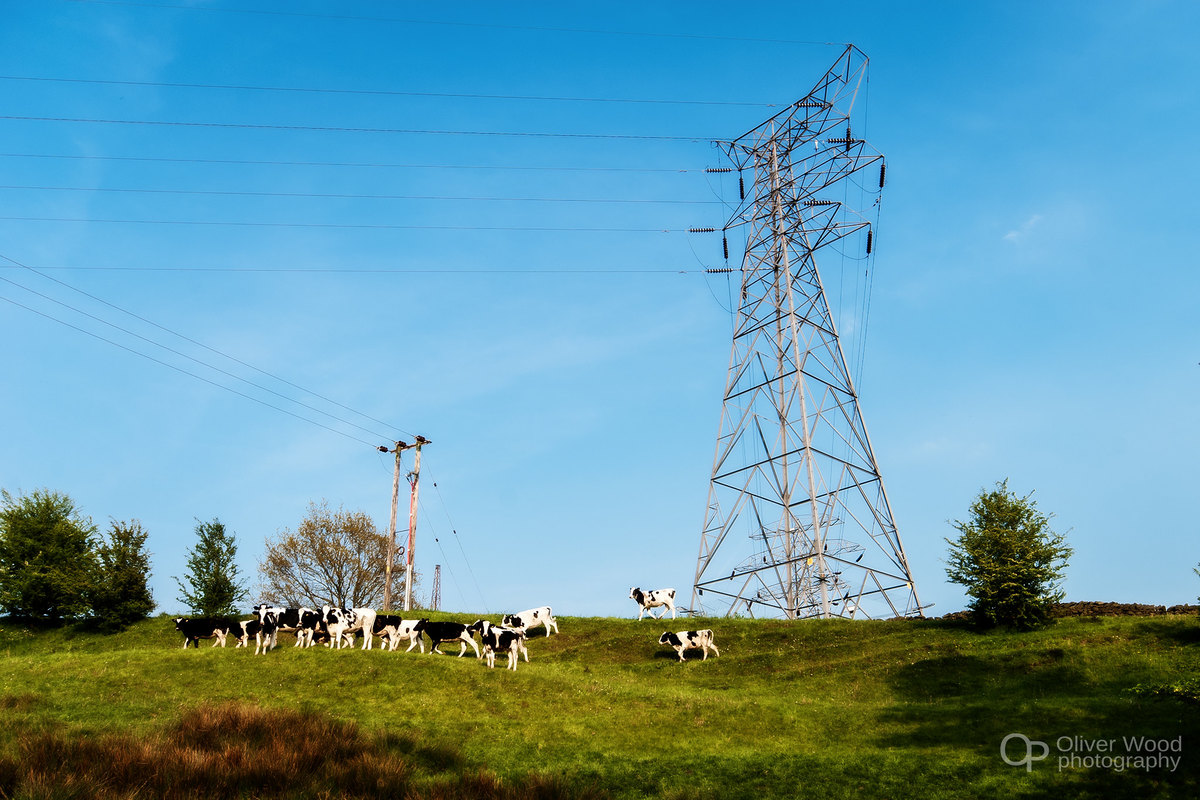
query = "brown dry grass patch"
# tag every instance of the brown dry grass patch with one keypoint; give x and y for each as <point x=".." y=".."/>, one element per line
<point x="241" y="751"/>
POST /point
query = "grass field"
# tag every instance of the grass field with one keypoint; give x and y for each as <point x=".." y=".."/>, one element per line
<point x="833" y="709"/>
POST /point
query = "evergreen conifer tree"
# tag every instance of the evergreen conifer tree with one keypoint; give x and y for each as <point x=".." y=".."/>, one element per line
<point x="1008" y="559"/>
<point x="213" y="587"/>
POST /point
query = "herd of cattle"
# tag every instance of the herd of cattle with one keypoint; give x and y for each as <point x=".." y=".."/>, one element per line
<point x="339" y="627"/>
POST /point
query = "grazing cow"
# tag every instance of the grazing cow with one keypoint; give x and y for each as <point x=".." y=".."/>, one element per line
<point x="654" y="599"/>
<point x="195" y="629"/>
<point x="393" y="629"/>
<point x="531" y="619"/>
<point x="439" y="632"/>
<point x="690" y="640"/>
<point x="500" y="640"/>
<point x="345" y="622"/>
<point x="301" y="621"/>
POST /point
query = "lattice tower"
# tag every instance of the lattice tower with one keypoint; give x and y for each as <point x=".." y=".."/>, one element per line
<point x="798" y="523"/>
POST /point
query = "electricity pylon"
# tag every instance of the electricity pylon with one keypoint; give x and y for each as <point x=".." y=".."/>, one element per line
<point x="798" y="522"/>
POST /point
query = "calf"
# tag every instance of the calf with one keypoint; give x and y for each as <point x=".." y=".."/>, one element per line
<point x="531" y="619"/>
<point x="654" y="599"/>
<point x="690" y="640"/>
<point x="195" y="629"/>
<point x="500" y="640"/>
<point x="345" y="622"/>
<point x="394" y="629"/>
<point x="439" y="632"/>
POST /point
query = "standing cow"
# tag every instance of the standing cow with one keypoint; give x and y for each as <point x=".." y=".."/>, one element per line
<point x="690" y="640"/>
<point x="196" y="628"/>
<point x="654" y="599"/>
<point x="500" y="640"/>
<point x="392" y="629"/>
<point x="531" y="619"/>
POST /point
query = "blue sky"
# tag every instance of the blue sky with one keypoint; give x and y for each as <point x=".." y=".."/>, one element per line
<point x="412" y="244"/>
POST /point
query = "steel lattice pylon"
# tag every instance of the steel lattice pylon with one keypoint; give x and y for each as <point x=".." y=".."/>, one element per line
<point x="798" y="522"/>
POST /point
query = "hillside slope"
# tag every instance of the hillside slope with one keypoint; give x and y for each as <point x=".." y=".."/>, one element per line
<point x="818" y="708"/>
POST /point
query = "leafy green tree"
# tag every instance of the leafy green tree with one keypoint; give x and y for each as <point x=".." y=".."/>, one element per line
<point x="47" y="560"/>
<point x="1009" y="560"/>
<point x="213" y="587"/>
<point x="121" y="595"/>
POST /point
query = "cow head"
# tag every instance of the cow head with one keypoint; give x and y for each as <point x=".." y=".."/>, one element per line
<point x="179" y="623"/>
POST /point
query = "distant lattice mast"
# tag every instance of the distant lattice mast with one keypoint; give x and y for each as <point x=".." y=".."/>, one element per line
<point x="435" y="598"/>
<point x="798" y="522"/>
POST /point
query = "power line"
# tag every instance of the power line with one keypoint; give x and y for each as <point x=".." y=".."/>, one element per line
<point x="383" y="92"/>
<point x="335" y="196"/>
<point x="351" y="225"/>
<point x="368" y="165"/>
<point x="410" y="21"/>
<point x="390" y="270"/>
<point x="184" y="371"/>
<point x="191" y="358"/>
<point x="345" y="129"/>
<point x="181" y="354"/>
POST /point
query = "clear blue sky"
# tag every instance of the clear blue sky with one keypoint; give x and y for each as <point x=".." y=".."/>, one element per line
<point x="532" y="303"/>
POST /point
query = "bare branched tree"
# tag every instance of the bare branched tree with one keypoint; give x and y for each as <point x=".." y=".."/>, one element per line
<point x="333" y="557"/>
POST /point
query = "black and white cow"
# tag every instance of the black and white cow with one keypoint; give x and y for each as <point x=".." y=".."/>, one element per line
<point x="690" y="640"/>
<point x="301" y="621"/>
<point x="392" y="630"/>
<point x="654" y="599"/>
<point x="345" y="622"/>
<point x="439" y="632"/>
<point x="197" y="628"/>
<point x="500" y="640"/>
<point x="245" y="629"/>
<point x="531" y="619"/>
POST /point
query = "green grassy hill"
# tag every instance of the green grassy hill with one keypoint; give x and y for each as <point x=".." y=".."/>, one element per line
<point x="819" y="708"/>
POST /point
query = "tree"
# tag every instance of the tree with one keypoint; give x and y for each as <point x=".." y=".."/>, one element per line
<point x="213" y="585"/>
<point x="333" y="557"/>
<point x="47" y="562"/>
<point x="121" y="595"/>
<point x="1008" y="559"/>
